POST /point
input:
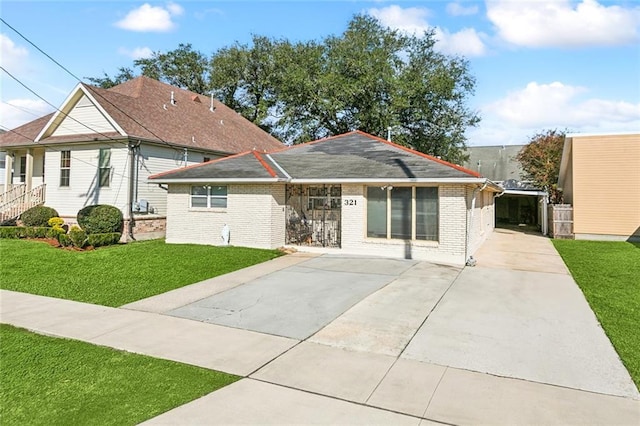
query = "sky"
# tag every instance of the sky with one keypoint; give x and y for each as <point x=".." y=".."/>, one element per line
<point x="539" y="64"/>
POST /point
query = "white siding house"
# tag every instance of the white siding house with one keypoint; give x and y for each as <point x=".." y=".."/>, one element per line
<point x="101" y="146"/>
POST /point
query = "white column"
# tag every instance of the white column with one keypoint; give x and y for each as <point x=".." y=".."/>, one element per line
<point x="28" y="176"/>
<point x="7" y="171"/>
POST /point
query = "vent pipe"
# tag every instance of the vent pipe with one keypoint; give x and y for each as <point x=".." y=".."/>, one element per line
<point x="173" y="101"/>
<point x="211" y="108"/>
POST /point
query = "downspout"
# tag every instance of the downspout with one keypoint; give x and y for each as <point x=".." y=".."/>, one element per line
<point x="470" y="261"/>
<point x="132" y="170"/>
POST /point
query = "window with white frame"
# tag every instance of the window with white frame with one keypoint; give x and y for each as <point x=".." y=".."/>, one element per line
<point x="104" y="167"/>
<point x="209" y="196"/>
<point x="406" y="213"/>
<point x="65" y="168"/>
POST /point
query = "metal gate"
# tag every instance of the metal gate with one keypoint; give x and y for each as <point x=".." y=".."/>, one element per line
<point x="313" y="215"/>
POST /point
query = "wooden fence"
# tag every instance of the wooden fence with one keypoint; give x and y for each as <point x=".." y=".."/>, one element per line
<point x="560" y="218"/>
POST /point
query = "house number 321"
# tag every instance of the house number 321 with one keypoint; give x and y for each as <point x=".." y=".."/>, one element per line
<point x="350" y="202"/>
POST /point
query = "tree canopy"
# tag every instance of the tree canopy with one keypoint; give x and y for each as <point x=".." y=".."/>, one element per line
<point x="370" y="78"/>
<point x="540" y="160"/>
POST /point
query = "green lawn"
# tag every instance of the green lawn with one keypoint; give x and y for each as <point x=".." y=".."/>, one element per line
<point x="609" y="275"/>
<point x="52" y="381"/>
<point x="116" y="275"/>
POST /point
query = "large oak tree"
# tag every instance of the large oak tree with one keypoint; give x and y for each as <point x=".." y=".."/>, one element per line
<point x="370" y="78"/>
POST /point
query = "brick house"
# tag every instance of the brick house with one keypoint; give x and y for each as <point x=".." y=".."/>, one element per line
<point x="102" y="145"/>
<point x="353" y="194"/>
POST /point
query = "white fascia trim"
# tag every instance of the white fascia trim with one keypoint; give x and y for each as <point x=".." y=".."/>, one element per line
<point x="394" y="180"/>
<point x="521" y="192"/>
<point x="278" y="166"/>
<point x="61" y="110"/>
<point x="215" y="180"/>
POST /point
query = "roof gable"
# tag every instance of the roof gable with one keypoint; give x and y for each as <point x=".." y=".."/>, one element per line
<point x="80" y="114"/>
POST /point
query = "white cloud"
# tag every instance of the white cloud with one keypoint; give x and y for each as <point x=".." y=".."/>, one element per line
<point x="16" y="112"/>
<point x="149" y="18"/>
<point x="563" y="23"/>
<point x="136" y="53"/>
<point x="456" y="9"/>
<point x="465" y="42"/>
<point x="555" y="105"/>
<point x="13" y="56"/>
<point x="413" y="20"/>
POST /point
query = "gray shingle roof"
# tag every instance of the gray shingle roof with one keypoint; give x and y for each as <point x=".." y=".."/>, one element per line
<point x="352" y="156"/>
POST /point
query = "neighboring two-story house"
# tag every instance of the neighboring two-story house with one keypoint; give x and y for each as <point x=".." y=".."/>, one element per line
<point x="100" y="146"/>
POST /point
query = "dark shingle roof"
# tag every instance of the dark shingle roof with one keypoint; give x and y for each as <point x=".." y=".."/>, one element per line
<point x="142" y="108"/>
<point x="352" y="156"/>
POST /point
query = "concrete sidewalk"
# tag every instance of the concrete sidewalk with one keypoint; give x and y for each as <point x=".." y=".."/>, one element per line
<point x="429" y="346"/>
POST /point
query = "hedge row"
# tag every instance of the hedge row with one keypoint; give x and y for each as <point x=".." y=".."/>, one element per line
<point x="75" y="238"/>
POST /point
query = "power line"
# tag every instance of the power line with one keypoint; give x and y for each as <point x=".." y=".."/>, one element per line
<point x="79" y="80"/>
<point x="53" y="148"/>
<point x="57" y="109"/>
<point x="22" y="109"/>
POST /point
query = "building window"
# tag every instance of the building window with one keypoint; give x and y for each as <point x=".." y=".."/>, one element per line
<point x="209" y="196"/>
<point x="23" y="169"/>
<point x="104" y="167"/>
<point x="406" y="213"/>
<point x="65" y="168"/>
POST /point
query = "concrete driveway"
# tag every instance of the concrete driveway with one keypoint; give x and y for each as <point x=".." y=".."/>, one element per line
<point x="517" y="314"/>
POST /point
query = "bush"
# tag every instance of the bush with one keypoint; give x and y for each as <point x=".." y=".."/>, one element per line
<point x="24" y="232"/>
<point x="100" y="219"/>
<point x="56" y="221"/>
<point x="38" y="216"/>
<point x="78" y="236"/>
<point x="11" y="231"/>
<point x="55" y="232"/>
<point x="65" y="240"/>
<point x="99" y="240"/>
<point x="36" y="231"/>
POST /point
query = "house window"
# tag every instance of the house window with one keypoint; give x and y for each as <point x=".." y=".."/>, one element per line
<point x="406" y="213"/>
<point x="209" y="196"/>
<point x="65" y="168"/>
<point x="104" y="167"/>
<point x="23" y="169"/>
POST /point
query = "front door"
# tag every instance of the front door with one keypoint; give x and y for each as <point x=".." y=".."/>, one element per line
<point x="313" y="215"/>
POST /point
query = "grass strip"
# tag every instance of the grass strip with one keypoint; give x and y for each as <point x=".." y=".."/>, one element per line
<point x="54" y="381"/>
<point x="116" y="275"/>
<point x="609" y="275"/>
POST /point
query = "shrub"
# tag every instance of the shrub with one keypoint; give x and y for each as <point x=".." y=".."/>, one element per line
<point x="99" y="240"/>
<point x="36" y="231"/>
<point x="78" y="236"/>
<point x="100" y="219"/>
<point x="56" y="221"/>
<point x="11" y="231"/>
<point x="24" y="232"/>
<point x="38" y="216"/>
<point x="65" y="240"/>
<point x="55" y="231"/>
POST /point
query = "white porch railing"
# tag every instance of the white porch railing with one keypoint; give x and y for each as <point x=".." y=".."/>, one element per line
<point x="17" y="200"/>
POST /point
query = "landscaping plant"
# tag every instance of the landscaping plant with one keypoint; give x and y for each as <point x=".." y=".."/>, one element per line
<point x="38" y="216"/>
